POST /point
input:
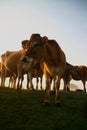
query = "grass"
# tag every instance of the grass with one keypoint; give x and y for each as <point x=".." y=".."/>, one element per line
<point x="24" y="110"/>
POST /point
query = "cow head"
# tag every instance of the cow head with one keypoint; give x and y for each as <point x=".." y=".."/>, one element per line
<point x="36" y="49"/>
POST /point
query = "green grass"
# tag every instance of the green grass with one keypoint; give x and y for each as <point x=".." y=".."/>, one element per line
<point x="24" y="110"/>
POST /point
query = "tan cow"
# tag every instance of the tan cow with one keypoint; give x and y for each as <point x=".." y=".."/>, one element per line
<point x="5" y="73"/>
<point x="52" y="61"/>
<point x="10" y="62"/>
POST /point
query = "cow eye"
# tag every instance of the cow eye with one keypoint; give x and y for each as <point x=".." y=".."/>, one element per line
<point x="35" y="44"/>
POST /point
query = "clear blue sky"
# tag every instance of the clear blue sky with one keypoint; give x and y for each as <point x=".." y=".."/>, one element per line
<point x="62" y="20"/>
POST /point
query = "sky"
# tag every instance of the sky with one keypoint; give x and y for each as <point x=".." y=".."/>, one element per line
<point x="62" y="20"/>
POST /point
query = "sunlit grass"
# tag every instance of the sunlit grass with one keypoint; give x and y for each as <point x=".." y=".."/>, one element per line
<point x="25" y="110"/>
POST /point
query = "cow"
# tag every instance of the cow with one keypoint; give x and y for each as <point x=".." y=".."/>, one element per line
<point x="71" y="72"/>
<point x="76" y="73"/>
<point x="5" y="73"/>
<point x="10" y="60"/>
<point x="82" y="69"/>
<point x="51" y="58"/>
<point x="35" y="72"/>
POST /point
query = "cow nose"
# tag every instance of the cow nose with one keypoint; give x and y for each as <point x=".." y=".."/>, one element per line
<point x="24" y="59"/>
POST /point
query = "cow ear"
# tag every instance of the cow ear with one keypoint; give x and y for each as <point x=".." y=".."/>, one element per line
<point x="45" y="39"/>
<point x="25" y="44"/>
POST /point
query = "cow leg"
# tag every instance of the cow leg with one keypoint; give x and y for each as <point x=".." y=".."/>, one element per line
<point x="3" y="76"/>
<point x="68" y="86"/>
<point x="50" y="80"/>
<point x="14" y="81"/>
<point x="10" y="82"/>
<point x="19" y="76"/>
<point x="31" y="85"/>
<point x="18" y="83"/>
<point x="54" y="86"/>
<point x="57" y="85"/>
<point x="84" y="86"/>
<point x="3" y="81"/>
<point x="21" y="82"/>
<point x="47" y="96"/>
<point x="28" y="81"/>
<point x="41" y="83"/>
<point x="37" y="80"/>
<point x="64" y="88"/>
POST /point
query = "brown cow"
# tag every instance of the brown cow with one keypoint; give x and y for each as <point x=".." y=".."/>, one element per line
<point x="10" y="62"/>
<point x="35" y="72"/>
<point x="52" y="61"/>
<point x="83" y="75"/>
<point x="76" y="73"/>
<point x="71" y="72"/>
<point x="5" y="73"/>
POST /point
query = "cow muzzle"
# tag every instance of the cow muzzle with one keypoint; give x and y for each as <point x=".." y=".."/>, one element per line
<point x="26" y="59"/>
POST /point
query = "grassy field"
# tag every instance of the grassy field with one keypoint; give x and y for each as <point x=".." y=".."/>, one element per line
<point x="24" y="110"/>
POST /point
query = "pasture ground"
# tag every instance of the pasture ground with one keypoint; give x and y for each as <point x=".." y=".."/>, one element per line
<point x="24" y="110"/>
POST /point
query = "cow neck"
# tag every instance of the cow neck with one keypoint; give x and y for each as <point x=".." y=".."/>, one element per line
<point x="47" y="59"/>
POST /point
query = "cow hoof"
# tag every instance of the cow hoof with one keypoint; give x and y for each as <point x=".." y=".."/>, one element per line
<point x="58" y="104"/>
<point x="46" y="103"/>
<point x="53" y="92"/>
<point x="18" y="88"/>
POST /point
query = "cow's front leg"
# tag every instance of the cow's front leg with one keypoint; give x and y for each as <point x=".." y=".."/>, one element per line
<point x="47" y="96"/>
<point x="57" y="85"/>
<point x="84" y="84"/>
<point x="37" y="80"/>
<point x="18" y="86"/>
